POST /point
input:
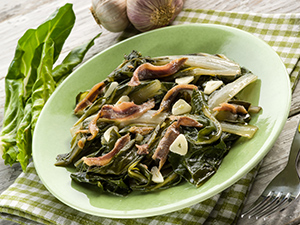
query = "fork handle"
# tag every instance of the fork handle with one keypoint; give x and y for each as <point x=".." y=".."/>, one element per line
<point x="294" y="153"/>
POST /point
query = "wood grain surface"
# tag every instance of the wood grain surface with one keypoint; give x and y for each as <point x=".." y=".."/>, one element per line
<point x="16" y="16"/>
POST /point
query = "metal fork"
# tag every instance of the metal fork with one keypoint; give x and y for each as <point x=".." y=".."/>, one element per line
<point x="282" y="190"/>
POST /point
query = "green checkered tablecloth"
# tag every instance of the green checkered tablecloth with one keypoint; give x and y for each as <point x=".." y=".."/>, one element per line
<point x="280" y="31"/>
<point x="27" y="201"/>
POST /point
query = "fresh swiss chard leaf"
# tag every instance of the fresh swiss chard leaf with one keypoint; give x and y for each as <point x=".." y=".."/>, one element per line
<point x="13" y="109"/>
<point x="32" y="76"/>
<point x="44" y="85"/>
<point x="74" y="58"/>
<point x="57" y="28"/>
<point x="24" y="136"/>
<point x="29" y="81"/>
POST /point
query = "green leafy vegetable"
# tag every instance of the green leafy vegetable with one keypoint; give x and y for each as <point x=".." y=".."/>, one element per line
<point x="44" y="84"/>
<point x="24" y="136"/>
<point x="31" y="80"/>
<point x="147" y="162"/>
<point x="75" y="57"/>
<point x="202" y="161"/>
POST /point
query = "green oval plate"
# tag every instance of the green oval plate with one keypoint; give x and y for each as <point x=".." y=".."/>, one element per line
<point x="272" y="92"/>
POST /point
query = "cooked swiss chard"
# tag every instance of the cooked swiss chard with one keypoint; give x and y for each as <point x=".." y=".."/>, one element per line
<point x="156" y="122"/>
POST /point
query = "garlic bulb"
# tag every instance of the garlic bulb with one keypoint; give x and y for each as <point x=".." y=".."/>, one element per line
<point x="111" y="14"/>
<point x="151" y="14"/>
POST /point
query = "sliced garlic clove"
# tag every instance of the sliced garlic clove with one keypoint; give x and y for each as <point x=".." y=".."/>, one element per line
<point x="179" y="145"/>
<point x="124" y="98"/>
<point x="211" y="86"/>
<point x="110" y="89"/>
<point x="156" y="175"/>
<point x="139" y="137"/>
<point x="181" y="107"/>
<point x="184" y="80"/>
<point x="106" y="134"/>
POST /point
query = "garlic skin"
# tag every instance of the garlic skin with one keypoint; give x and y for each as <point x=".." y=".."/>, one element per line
<point x="111" y="14"/>
<point x="147" y="15"/>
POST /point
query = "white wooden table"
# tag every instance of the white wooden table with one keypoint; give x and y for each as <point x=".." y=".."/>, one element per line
<point x="18" y="15"/>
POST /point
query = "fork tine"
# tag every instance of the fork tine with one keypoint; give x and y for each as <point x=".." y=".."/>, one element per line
<point x="277" y="201"/>
<point x="269" y="204"/>
<point x="281" y="205"/>
<point x="258" y="205"/>
<point x="271" y="198"/>
<point x="286" y="184"/>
